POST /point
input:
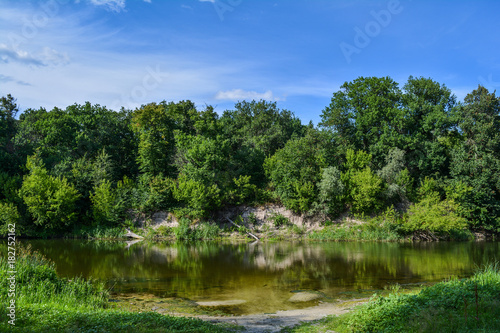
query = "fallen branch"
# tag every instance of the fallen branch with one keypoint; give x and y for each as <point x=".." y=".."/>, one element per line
<point x="257" y="238"/>
<point x="131" y="234"/>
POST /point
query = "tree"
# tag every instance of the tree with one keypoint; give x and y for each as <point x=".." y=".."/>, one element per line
<point x="427" y="125"/>
<point x="365" y="115"/>
<point x="64" y="136"/>
<point x="8" y="159"/>
<point x="50" y="200"/>
<point x="374" y="115"/>
<point x="295" y="170"/>
<point x="476" y="162"/>
<point x="363" y="186"/>
<point x="204" y="164"/>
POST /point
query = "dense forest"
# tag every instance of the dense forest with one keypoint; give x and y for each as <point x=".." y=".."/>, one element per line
<point x="412" y="151"/>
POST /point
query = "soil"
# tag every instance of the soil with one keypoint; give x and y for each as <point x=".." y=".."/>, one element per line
<point x="275" y="322"/>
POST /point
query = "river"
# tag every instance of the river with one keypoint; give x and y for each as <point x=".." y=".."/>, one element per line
<point x="263" y="275"/>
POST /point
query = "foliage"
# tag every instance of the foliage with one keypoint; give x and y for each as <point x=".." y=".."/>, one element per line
<point x="8" y="216"/>
<point x="279" y="220"/>
<point x="9" y="158"/>
<point x="476" y="162"/>
<point x="396" y="177"/>
<point x="243" y="191"/>
<point x="432" y="215"/>
<point x="205" y="231"/>
<point x="376" y="146"/>
<point x="295" y="170"/>
<point x="50" y="200"/>
<point x="198" y="197"/>
<point x="371" y="231"/>
<point x="331" y="191"/>
<point x="363" y="186"/>
<point x="79" y="130"/>
<point x="260" y="125"/>
<point x="159" y="194"/>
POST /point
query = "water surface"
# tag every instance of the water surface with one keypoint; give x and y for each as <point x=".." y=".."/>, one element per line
<point x="264" y="275"/>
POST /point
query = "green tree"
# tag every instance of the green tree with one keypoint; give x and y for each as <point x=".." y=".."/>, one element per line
<point x="432" y="215"/>
<point x="64" y="136"/>
<point x="476" y="162"/>
<point x="256" y="130"/>
<point x="363" y="186"/>
<point x="374" y="115"/>
<point x="154" y="128"/>
<point x="332" y="192"/>
<point x="365" y="115"/>
<point x="50" y="200"/>
<point x="8" y="127"/>
<point x="428" y="123"/>
<point x="295" y="170"/>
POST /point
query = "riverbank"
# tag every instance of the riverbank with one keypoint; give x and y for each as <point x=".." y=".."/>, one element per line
<point x="465" y="305"/>
<point x="274" y="223"/>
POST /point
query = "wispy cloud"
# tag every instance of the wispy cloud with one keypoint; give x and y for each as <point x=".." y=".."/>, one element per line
<point x="6" y="78"/>
<point x="47" y="57"/>
<point x="8" y="54"/>
<point x="240" y="94"/>
<point x="112" y="5"/>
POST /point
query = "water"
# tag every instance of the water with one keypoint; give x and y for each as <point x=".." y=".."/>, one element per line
<point x="264" y="275"/>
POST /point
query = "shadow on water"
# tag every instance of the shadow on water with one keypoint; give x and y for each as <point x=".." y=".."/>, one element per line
<point x="262" y="277"/>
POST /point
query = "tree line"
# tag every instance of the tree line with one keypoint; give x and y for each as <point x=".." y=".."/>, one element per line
<point x="412" y="150"/>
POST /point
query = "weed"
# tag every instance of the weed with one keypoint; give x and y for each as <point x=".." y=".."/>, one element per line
<point x="279" y="220"/>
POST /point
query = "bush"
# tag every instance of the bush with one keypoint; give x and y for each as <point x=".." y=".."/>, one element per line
<point x="196" y="195"/>
<point x="435" y="217"/>
<point x="160" y="194"/>
<point x="331" y="191"/>
<point x="8" y="215"/>
<point x="366" y="188"/>
<point x="279" y="220"/>
<point x="50" y="200"/>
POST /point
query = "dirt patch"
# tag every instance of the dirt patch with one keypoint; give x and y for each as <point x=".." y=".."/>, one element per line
<point x="275" y="322"/>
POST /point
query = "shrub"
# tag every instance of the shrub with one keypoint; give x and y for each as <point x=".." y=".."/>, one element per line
<point x="50" y="200"/>
<point x="431" y="215"/>
<point x="8" y="215"/>
<point x="331" y="191"/>
<point x="279" y="220"/>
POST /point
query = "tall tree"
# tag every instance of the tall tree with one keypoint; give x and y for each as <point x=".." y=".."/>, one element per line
<point x="476" y="162"/>
<point x="8" y="111"/>
<point x="366" y="115"/>
<point x="428" y="124"/>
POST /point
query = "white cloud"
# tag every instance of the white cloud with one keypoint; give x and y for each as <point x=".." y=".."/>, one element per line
<point x="54" y="57"/>
<point x="212" y="1"/>
<point x="112" y="5"/>
<point x="46" y="57"/>
<point x="8" y="54"/>
<point x="240" y="94"/>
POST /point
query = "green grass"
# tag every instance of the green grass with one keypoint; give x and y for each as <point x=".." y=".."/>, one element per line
<point x="98" y="232"/>
<point x="468" y="305"/>
<point x="46" y="302"/>
<point x="371" y="231"/>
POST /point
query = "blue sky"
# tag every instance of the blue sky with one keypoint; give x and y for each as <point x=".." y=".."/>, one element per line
<point x="216" y="52"/>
